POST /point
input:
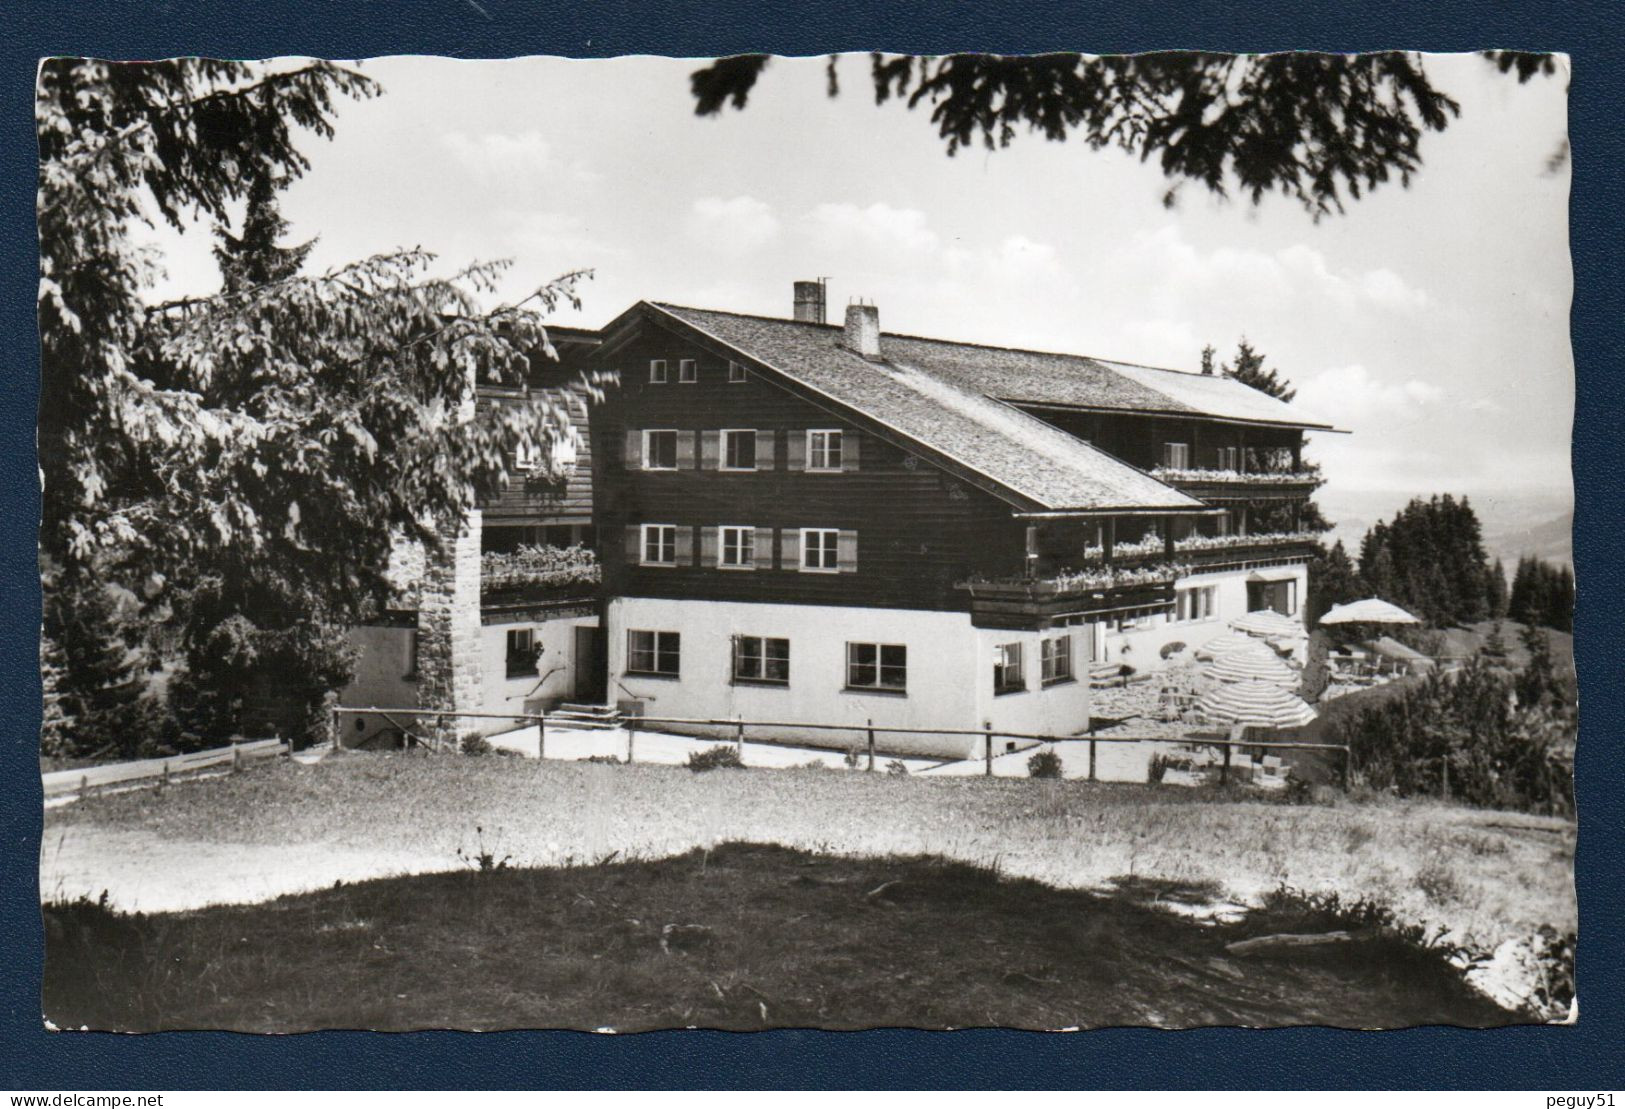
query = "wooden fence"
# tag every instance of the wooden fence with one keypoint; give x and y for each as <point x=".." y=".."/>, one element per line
<point x="868" y="731"/>
<point x="60" y="783"/>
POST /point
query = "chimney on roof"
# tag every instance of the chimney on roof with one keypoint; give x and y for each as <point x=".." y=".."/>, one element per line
<point x="809" y="301"/>
<point x="863" y="330"/>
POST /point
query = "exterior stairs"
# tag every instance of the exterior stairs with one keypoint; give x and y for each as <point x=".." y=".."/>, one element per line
<point x="585" y="717"/>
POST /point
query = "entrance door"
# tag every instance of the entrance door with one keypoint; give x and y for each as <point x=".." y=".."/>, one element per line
<point x="1282" y="596"/>
<point x="591" y="667"/>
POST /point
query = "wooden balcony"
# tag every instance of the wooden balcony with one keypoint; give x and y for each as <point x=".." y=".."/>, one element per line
<point x="1036" y="603"/>
<point x="1236" y="485"/>
<point x="544" y="579"/>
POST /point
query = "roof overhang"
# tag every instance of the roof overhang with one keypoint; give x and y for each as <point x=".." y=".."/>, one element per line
<point x="1136" y="510"/>
<point x="1273" y="573"/>
<point x="1172" y="414"/>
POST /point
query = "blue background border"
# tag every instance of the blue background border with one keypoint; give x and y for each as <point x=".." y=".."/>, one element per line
<point x="1581" y="1058"/>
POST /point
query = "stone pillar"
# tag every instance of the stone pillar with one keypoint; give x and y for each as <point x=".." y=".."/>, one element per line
<point x="450" y="674"/>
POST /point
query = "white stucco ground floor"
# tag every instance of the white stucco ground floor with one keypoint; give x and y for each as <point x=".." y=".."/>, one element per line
<point x="1206" y="603"/>
<point x="528" y="662"/>
<point x="847" y="666"/>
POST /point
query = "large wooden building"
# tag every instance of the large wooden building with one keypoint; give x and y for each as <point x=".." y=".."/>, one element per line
<point x="832" y="524"/>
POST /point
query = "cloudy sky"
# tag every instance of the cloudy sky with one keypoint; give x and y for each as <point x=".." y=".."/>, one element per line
<point x="1431" y="321"/>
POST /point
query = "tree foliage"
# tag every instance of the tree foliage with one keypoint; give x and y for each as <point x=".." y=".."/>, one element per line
<point x="1542" y="594"/>
<point x="1430" y="560"/>
<point x="1333" y="580"/>
<point x="1248" y="368"/>
<point x="242" y="462"/>
<point x="1314" y="127"/>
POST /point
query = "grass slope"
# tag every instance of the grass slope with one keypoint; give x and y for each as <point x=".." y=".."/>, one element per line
<point x="284" y="827"/>
<point x="743" y="937"/>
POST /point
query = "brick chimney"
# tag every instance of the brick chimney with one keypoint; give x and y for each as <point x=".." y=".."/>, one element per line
<point x="863" y="330"/>
<point x="809" y="303"/>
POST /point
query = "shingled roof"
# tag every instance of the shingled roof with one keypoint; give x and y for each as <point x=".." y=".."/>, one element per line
<point x="911" y="393"/>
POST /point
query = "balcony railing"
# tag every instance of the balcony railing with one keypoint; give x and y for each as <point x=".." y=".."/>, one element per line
<point x="1075" y="583"/>
<point x="1201" y="549"/>
<point x="537" y="574"/>
<point x="1039" y="601"/>
<point x="1305" y="479"/>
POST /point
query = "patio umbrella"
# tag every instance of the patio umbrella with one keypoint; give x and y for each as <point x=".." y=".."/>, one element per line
<point x="1268" y="622"/>
<point x="1256" y="662"/>
<point x="1219" y="644"/>
<point x="1369" y="611"/>
<point x="1255" y="703"/>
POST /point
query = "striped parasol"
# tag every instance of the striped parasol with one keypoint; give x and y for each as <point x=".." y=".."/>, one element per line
<point x="1219" y="644"/>
<point x="1255" y="703"/>
<point x="1369" y="611"/>
<point x="1268" y="622"/>
<point x="1255" y="661"/>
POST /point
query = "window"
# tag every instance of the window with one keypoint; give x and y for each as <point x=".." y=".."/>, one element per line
<point x="659" y="545"/>
<point x="759" y="659"/>
<point x="736" y="372"/>
<point x="1055" y="660"/>
<point x="820" y="549"/>
<point x="688" y="371"/>
<point x="882" y="666"/>
<point x="1195" y="604"/>
<point x="522" y="653"/>
<point x="739" y="449"/>
<point x="526" y="458"/>
<point x="660" y="450"/>
<point x="657" y="371"/>
<point x="738" y="547"/>
<point x="823" y="450"/>
<point x="1176" y="456"/>
<point x="1007" y="669"/>
<point x="1229" y="458"/>
<point x="653" y="653"/>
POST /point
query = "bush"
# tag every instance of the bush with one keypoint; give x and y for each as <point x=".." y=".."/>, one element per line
<point x="474" y="743"/>
<point x="723" y="755"/>
<point x="1169" y="650"/>
<point x="896" y="768"/>
<point x="854" y="755"/>
<point x="1044" y="764"/>
<point x="1159" y="766"/>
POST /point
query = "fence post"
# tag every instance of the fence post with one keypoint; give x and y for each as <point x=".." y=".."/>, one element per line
<point x="236" y="758"/>
<point x="871" y="745"/>
<point x="631" y="735"/>
<point x="541" y="737"/>
<point x="1348" y="769"/>
<point x="1091" y="754"/>
<point x="338" y="740"/>
<point x="739" y="736"/>
<point x="1224" y="770"/>
<point x="987" y="736"/>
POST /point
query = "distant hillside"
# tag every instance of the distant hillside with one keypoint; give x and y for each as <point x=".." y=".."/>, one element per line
<point x="1551" y="539"/>
<point x="1542" y="526"/>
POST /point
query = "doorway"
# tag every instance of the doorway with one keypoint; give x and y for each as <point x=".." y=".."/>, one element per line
<point x="591" y="673"/>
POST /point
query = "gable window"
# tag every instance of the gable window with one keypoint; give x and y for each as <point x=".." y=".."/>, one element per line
<point x="739" y="449"/>
<point x="659" y="545"/>
<point x="1195" y="604"/>
<point x="653" y="653"/>
<point x="882" y="666"/>
<point x="820" y="549"/>
<point x="688" y="371"/>
<point x="736" y="372"/>
<point x="1008" y="674"/>
<point x="738" y="547"/>
<point x="823" y="450"/>
<point x="521" y="653"/>
<point x="761" y="659"/>
<point x="660" y="450"/>
<point x="657" y="371"/>
<point x="1176" y="456"/>
<point x="1055" y="660"/>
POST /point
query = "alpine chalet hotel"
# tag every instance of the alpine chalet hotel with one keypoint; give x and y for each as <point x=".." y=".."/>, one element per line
<point x="833" y="524"/>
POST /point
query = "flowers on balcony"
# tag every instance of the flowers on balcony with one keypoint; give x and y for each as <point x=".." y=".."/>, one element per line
<point x="1308" y="475"/>
<point x="538" y="568"/>
<point x="1257" y="539"/>
<point x="1084" y="580"/>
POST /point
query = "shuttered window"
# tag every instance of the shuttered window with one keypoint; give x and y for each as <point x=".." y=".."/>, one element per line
<point x="659" y="545"/>
<point x="823" y="450"/>
<point x="1009" y="675"/>
<point x="738" y="449"/>
<point x="738" y="548"/>
<point x="826" y="551"/>
<point x="660" y="450"/>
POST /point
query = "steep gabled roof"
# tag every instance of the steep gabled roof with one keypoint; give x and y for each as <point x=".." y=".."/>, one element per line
<point x="911" y="395"/>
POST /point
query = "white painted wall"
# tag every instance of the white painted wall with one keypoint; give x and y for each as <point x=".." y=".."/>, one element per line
<point x="1142" y="648"/>
<point x="950" y="673"/>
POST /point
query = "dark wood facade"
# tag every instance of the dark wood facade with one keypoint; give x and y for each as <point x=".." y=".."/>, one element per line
<point x="920" y="529"/>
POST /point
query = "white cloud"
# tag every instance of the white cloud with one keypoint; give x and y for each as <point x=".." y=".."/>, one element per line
<point x="736" y="227"/>
<point x="1354" y="398"/>
<point x="558" y="237"/>
<point x="515" y="158"/>
<point x="878" y="225"/>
